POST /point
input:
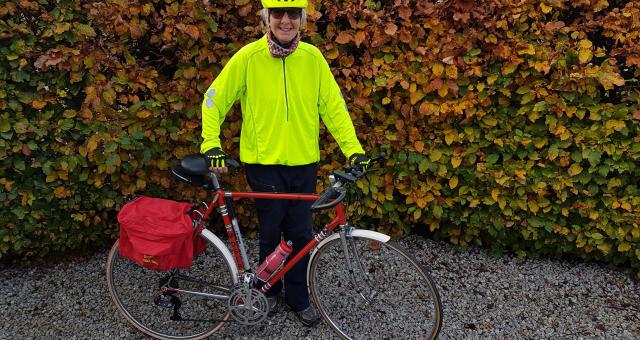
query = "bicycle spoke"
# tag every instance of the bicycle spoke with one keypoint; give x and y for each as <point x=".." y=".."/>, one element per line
<point x="179" y="304"/>
<point x="382" y="291"/>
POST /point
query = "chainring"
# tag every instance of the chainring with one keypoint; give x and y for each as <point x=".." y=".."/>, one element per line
<point x="247" y="306"/>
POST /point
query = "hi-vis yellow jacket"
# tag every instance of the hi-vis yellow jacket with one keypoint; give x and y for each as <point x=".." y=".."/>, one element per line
<point x="282" y="101"/>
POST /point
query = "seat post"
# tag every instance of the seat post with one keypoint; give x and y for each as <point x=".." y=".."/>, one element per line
<point x="214" y="181"/>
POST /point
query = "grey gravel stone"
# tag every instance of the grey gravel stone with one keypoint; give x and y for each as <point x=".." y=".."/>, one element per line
<point x="483" y="298"/>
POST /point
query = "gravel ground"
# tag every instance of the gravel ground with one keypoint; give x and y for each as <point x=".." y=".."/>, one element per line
<point x="483" y="298"/>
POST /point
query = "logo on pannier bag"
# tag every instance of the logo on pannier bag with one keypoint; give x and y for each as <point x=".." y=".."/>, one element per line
<point x="149" y="259"/>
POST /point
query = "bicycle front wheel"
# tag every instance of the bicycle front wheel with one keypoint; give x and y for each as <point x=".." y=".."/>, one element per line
<point x="373" y="290"/>
<point x="141" y="295"/>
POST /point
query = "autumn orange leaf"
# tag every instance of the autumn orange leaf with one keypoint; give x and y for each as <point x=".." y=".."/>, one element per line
<point x="390" y="29"/>
<point x="344" y="37"/>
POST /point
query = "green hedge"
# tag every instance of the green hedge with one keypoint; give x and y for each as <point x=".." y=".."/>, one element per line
<point x="508" y="125"/>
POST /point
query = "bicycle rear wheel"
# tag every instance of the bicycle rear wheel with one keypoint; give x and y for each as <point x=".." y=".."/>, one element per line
<point x="137" y="293"/>
<point x="389" y="295"/>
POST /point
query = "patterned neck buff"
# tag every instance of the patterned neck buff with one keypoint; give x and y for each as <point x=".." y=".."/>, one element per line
<point x="278" y="51"/>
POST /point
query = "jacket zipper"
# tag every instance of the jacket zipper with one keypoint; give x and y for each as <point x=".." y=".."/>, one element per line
<point x="286" y="98"/>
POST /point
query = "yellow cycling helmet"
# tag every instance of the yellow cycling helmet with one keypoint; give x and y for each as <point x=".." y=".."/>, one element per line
<point x="284" y="3"/>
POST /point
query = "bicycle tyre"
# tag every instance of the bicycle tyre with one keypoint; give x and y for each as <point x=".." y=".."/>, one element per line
<point x="133" y="288"/>
<point x="407" y="305"/>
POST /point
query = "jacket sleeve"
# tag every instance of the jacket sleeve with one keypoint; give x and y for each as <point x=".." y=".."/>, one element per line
<point x="334" y="113"/>
<point x="220" y="96"/>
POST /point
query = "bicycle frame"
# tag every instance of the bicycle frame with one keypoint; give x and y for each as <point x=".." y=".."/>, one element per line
<point x="235" y="237"/>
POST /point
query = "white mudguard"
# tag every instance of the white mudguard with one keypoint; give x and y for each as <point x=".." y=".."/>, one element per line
<point x="213" y="239"/>
<point x="355" y="232"/>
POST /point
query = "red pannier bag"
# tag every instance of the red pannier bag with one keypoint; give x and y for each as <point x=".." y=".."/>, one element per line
<point x="158" y="234"/>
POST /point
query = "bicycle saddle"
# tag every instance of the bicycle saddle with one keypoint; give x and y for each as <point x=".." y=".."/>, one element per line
<point x="192" y="171"/>
<point x="195" y="165"/>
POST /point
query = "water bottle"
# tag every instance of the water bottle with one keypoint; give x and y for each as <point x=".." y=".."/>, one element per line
<point x="274" y="260"/>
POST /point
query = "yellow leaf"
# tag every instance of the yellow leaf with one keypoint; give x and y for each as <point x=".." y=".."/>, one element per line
<point x="474" y="203"/>
<point x="526" y="49"/>
<point x="480" y="87"/>
<point x="608" y="79"/>
<point x="542" y="66"/>
<point x="437" y="69"/>
<point x="450" y="136"/>
<point x="38" y="104"/>
<point x="545" y="9"/>
<point x="60" y="192"/>
<point x="491" y="39"/>
<point x="575" y="169"/>
<point x="615" y="124"/>
<point x="502" y="202"/>
<point x="92" y="144"/>
<point x="61" y="28"/>
<point x="498" y="141"/>
<point x="605" y="248"/>
<point x="585" y="44"/>
<point x="453" y="182"/>
<point x="565" y="212"/>
<point x="143" y="113"/>
<point x="533" y="207"/>
<point x="332" y="53"/>
<point x="495" y="193"/>
<point x="455" y="161"/>
<point x="421" y="202"/>
<point x="492" y="79"/>
<point x="442" y="91"/>
<point x="415" y="97"/>
<point x="508" y="69"/>
<point x="386" y="100"/>
<point x="626" y="206"/>
<point x="584" y="56"/>
<point x="452" y="72"/>
<point x="623" y="247"/>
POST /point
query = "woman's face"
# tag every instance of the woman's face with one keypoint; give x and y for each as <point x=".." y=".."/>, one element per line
<point x="284" y="23"/>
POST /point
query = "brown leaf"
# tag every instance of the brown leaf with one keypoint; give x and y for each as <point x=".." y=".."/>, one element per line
<point x="192" y="31"/>
<point x="405" y="36"/>
<point x="633" y="60"/>
<point x="344" y="37"/>
<point x="453" y="87"/>
<point x="359" y="38"/>
<point x="405" y="13"/>
<point x="245" y="10"/>
<point x="436" y="83"/>
<point x="391" y="29"/>
<point x="636" y="114"/>
<point x="26" y="150"/>
<point x="552" y="26"/>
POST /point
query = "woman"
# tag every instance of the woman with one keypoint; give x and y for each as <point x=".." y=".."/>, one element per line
<point x="284" y="87"/>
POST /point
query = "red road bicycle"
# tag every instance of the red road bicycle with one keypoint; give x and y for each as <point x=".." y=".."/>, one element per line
<point x="363" y="284"/>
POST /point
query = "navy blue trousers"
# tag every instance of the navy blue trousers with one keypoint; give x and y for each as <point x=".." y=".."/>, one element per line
<point x="286" y="219"/>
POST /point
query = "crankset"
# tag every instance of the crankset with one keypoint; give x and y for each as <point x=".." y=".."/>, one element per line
<point x="247" y="306"/>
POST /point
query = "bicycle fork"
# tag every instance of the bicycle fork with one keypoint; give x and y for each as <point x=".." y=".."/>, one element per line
<point x="355" y="265"/>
